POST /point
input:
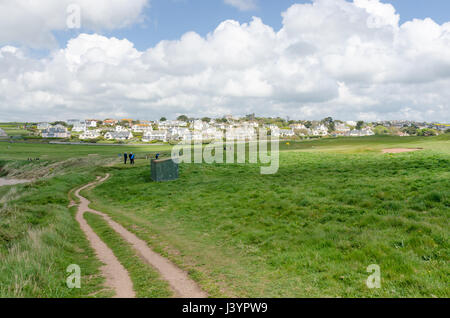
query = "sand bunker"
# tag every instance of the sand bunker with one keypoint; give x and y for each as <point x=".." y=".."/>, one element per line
<point x="399" y="150"/>
<point x="7" y="182"/>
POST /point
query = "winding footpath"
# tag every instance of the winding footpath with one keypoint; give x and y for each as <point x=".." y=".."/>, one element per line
<point x="116" y="275"/>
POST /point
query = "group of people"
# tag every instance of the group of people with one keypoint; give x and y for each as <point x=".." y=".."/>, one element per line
<point x="130" y="156"/>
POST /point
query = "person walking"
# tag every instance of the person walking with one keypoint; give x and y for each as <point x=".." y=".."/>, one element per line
<point x="125" y="157"/>
<point x="132" y="158"/>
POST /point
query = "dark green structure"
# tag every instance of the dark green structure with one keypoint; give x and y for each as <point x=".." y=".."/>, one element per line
<point x="164" y="170"/>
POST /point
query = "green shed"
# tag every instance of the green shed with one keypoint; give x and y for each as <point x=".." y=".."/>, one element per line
<point x="164" y="170"/>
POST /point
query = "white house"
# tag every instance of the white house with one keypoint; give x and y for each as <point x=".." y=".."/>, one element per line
<point x="359" y="133"/>
<point x="74" y="122"/>
<point x="118" y="135"/>
<point x="341" y="127"/>
<point x="179" y="133"/>
<point x="90" y="134"/>
<point x="286" y="132"/>
<point x="212" y="133"/>
<point x="79" y="127"/>
<point x="110" y="122"/>
<point x="3" y="133"/>
<point x="249" y="124"/>
<point x="240" y="133"/>
<point x="320" y="130"/>
<point x="297" y="126"/>
<point x="161" y="135"/>
<point x="200" y="125"/>
<point x="274" y="131"/>
<point x="120" y="128"/>
<point x="91" y="123"/>
<point x="171" y="124"/>
<point x="140" y="128"/>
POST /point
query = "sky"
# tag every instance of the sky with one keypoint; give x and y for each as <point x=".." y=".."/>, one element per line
<point x="349" y="59"/>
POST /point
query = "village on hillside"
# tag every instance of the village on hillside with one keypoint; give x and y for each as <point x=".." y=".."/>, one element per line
<point x="185" y="129"/>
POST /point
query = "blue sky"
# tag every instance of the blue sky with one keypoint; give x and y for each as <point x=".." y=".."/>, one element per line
<point x="170" y="19"/>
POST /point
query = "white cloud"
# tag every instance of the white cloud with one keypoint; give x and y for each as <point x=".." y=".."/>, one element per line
<point x="31" y="23"/>
<point x="330" y="58"/>
<point x="242" y="5"/>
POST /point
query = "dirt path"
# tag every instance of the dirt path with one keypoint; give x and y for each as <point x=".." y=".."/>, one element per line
<point x="116" y="275"/>
<point x="178" y="279"/>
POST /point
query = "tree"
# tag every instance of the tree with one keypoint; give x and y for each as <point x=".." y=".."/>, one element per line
<point x="359" y="125"/>
<point x="308" y="124"/>
<point x="182" y="118"/>
<point x="250" y="117"/>
<point x="206" y="119"/>
<point x="381" y="130"/>
<point x="329" y="122"/>
<point x="411" y="130"/>
<point x="331" y="127"/>
<point x="163" y="119"/>
<point x="426" y="132"/>
<point x="62" y="123"/>
<point x="222" y="120"/>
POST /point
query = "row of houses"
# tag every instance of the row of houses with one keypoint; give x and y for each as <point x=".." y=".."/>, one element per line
<point x="191" y="130"/>
<point x="210" y="133"/>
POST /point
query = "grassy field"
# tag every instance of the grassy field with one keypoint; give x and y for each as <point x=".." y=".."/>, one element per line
<point x="334" y="207"/>
<point x="52" y="152"/>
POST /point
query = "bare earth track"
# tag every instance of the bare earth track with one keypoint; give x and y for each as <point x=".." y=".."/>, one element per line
<point x="117" y="277"/>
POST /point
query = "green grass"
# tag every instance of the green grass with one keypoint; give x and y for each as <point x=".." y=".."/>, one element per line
<point x="372" y="144"/>
<point x="146" y="281"/>
<point x="39" y="238"/>
<point x="311" y="230"/>
<point x="334" y="207"/>
<point x="52" y="152"/>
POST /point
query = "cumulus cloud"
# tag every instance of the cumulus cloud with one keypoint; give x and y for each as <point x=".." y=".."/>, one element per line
<point x="330" y="58"/>
<point x="31" y="23"/>
<point x="242" y="5"/>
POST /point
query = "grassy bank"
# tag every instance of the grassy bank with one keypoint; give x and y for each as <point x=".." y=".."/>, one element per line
<point x="39" y="238"/>
<point x="310" y="230"/>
